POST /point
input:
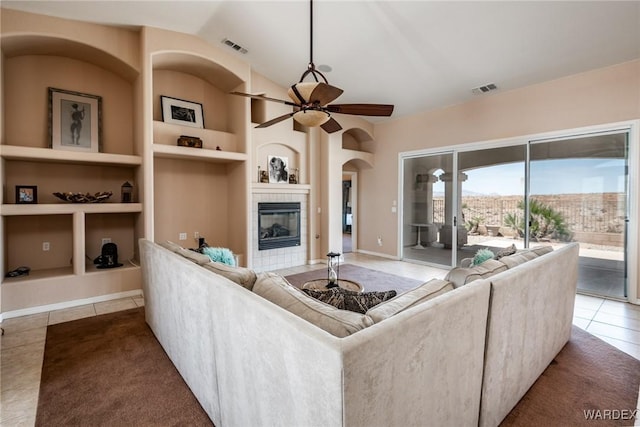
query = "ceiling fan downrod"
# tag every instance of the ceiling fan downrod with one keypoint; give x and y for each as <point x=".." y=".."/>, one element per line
<point x="311" y="68"/>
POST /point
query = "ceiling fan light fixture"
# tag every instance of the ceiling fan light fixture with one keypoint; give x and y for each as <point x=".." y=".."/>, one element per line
<point x="311" y="118"/>
<point x="304" y="89"/>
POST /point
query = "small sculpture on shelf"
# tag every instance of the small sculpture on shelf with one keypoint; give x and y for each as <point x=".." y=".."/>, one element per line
<point x="293" y="176"/>
<point x="84" y="197"/>
<point x="189" y="141"/>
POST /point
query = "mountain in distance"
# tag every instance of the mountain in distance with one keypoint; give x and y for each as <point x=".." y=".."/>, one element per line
<point x="467" y="193"/>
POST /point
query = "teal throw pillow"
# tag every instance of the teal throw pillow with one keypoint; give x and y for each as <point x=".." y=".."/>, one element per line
<point x="481" y="256"/>
<point x="222" y="255"/>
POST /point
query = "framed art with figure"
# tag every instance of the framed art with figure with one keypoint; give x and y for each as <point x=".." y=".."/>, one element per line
<point x="278" y="169"/>
<point x="75" y="121"/>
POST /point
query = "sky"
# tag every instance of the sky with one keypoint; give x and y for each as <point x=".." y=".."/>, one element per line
<point x="561" y="176"/>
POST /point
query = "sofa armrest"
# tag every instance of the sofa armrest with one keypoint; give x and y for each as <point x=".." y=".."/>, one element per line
<point x="530" y="318"/>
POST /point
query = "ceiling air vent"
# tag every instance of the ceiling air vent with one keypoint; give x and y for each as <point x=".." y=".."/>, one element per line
<point x="234" y="46"/>
<point x="484" y="89"/>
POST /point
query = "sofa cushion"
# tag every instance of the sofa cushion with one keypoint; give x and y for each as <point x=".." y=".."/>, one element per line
<point x="340" y="323"/>
<point x="344" y="299"/>
<point x="194" y="256"/>
<point x="405" y="300"/>
<point x="461" y="276"/>
<point x="244" y="277"/>
<point x="525" y="255"/>
<point x="506" y="251"/>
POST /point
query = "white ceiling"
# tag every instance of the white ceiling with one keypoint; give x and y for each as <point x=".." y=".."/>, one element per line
<point x="418" y="55"/>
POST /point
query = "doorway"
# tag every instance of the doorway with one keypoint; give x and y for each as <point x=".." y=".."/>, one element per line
<point x="349" y="211"/>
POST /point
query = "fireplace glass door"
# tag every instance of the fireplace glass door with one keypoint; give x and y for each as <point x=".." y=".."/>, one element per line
<point x="278" y="225"/>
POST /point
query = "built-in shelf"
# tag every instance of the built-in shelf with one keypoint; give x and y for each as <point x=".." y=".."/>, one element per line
<point x="69" y="208"/>
<point x="34" y="154"/>
<point x="126" y="265"/>
<point x="201" y="154"/>
<point x="35" y="275"/>
<point x="168" y="134"/>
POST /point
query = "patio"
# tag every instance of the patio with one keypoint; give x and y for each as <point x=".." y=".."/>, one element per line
<point x="600" y="268"/>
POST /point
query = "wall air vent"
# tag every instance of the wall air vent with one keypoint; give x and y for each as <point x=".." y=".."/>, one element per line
<point x="234" y="46"/>
<point x="484" y="89"/>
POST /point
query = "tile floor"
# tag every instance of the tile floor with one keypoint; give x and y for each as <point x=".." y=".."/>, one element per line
<point x="22" y="346"/>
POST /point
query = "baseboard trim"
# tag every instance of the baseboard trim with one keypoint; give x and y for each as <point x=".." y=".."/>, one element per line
<point x="68" y="304"/>
<point x="378" y="254"/>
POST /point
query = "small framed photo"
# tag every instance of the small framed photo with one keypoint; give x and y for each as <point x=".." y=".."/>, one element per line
<point x="181" y="112"/>
<point x="26" y="194"/>
<point x="278" y="169"/>
<point x="75" y="121"/>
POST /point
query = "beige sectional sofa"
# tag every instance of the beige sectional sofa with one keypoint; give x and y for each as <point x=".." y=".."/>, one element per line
<point x="256" y="351"/>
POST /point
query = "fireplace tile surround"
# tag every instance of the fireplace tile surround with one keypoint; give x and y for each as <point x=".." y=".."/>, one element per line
<point x="273" y="259"/>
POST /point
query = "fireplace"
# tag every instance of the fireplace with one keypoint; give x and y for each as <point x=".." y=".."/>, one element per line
<point x="278" y="225"/>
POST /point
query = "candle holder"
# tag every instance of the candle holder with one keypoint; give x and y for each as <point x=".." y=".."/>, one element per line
<point x="126" y="193"/>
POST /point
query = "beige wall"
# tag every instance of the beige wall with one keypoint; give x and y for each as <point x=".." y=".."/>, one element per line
<point x="597" y="97"/>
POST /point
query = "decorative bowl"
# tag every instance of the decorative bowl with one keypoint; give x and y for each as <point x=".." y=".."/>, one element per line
<point x="84" y="197"/>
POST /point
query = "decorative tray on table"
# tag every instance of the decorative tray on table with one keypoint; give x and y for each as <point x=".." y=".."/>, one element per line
<point x="84" y="197"/>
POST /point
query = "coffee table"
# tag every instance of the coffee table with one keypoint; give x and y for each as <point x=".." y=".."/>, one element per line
<point x="321" y="285"/>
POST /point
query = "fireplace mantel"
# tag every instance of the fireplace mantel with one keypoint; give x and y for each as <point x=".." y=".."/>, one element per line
<point x="280" y="188"/>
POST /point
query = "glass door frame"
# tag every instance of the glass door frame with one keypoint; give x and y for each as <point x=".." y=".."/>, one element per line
<point x="401" y="203"/>
<point x="633" y="185"/>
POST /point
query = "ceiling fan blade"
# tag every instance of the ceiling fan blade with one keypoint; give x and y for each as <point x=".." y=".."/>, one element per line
<point x="264" y="98"/>
<point x="361" y="109"/>
<point x="274" y="121"/>
<point x="325" y="93"/>
<point x="331" y="126"/>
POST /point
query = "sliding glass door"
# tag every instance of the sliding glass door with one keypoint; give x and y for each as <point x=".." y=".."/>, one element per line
<point x="539" y="192"/>
<point x="492" y="199"/>
<point x="578" y="193"/>
<point x="429" y="201"/>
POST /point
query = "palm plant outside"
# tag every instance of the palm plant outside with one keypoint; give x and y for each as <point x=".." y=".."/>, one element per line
<point x="545" y="222"/>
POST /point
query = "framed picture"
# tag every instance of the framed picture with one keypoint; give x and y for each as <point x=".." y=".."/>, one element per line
<point x="181" y="112"/>
<point x="26" y="194"/>
<point x="278" y="169"/>
<point x="75" y="121"/>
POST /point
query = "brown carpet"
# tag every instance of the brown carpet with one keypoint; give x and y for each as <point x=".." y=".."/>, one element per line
<point x="109" y="370"/>
<point x="372" y="280"/>
<point x="587" y="375"/>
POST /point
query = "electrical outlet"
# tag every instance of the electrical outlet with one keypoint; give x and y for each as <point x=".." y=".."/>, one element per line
<point x="182" y="236"/>
<point x="196" y="235"/>
<point x="379" y="241"/>
<point x="106" y="240"/>
<point x="46" y="246"/>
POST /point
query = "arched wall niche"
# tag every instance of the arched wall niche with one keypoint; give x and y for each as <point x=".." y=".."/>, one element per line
<point x="198" y="66"/>
<point x="195" y="78"/>
<point x="292" y="154"/>
<point x="31" y="69"/>
<point x="356" y="164"/>
<point x="358" y="140"/>
<point x="33" y="44"/>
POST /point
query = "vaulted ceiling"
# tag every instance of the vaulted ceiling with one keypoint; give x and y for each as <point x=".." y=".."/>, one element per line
<point x="418" y="55"/>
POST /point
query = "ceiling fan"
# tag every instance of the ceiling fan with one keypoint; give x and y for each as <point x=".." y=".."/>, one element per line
<point x="310" y="100"/>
